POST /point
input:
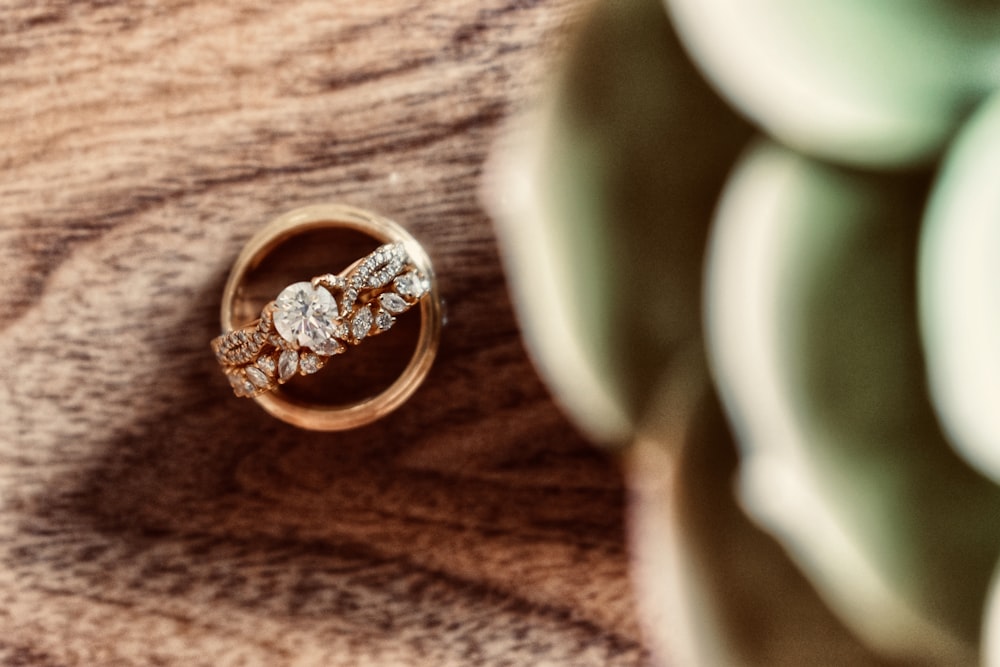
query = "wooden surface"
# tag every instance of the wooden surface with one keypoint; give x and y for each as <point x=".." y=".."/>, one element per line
<point x="147" y="517"/>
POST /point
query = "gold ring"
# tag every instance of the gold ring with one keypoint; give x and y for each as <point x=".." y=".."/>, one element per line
<point x="312" y="322"/>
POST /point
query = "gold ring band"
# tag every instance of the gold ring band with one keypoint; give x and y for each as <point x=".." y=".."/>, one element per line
<point x="310" y="323"/>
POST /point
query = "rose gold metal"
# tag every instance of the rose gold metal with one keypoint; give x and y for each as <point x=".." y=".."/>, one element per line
<point x="319" y="417"/>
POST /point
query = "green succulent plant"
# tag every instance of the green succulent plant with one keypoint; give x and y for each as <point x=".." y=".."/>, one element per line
<point x="790" y="210"/>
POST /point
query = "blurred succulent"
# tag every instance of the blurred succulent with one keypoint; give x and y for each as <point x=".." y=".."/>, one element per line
<point x="812" y="334"/>
<point x="827" y="294"/>
<point x="877" y="83"/>
<point x="960" y="289"/>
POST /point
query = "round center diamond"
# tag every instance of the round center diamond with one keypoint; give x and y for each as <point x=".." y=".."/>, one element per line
<point x="305" y="315"/>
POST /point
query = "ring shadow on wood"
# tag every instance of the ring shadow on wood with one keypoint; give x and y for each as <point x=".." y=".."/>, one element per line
<point x="393" y="541"/>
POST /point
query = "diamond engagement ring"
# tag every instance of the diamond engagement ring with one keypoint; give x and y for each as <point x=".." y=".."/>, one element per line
<point x="311" y="322"/>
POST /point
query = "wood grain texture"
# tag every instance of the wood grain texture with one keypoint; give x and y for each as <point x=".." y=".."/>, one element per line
<point x="147" y="517"/>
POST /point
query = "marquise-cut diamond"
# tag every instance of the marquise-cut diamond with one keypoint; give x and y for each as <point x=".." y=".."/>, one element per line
<point x="362" y="323"/>
<point x="392" y="302"/>
<point x="266" y="364"/>
<point x="241" y="385"/>
<point x="328" y="347"/>
<point x="304" y="314"/>
<point x="411" y="285"/>
<point x="257" y="376"/>
<point x="288" y="363"/>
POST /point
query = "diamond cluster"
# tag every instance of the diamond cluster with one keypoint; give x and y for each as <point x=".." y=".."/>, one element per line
<point x="306" y="324"/>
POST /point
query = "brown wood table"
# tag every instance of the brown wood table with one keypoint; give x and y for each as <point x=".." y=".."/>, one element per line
<point x="147" y="516"/>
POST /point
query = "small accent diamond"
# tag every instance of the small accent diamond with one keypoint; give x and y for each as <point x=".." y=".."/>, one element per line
<point x="392" y="302"/>
<point x="383" y="320"/>
<point x="309" y="363"/>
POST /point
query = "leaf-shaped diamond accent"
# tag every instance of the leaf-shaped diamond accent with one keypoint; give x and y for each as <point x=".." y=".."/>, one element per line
<point x="393" y="303"/>
<point x="257" y="376"/>
<point x="241" y="385"/>
<point x="362" y="323"/>
<point x="288" y="363"/>
<point x="267" y="365"/>
<point x="328" y="347"/>
<point x="411" y="285"/>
